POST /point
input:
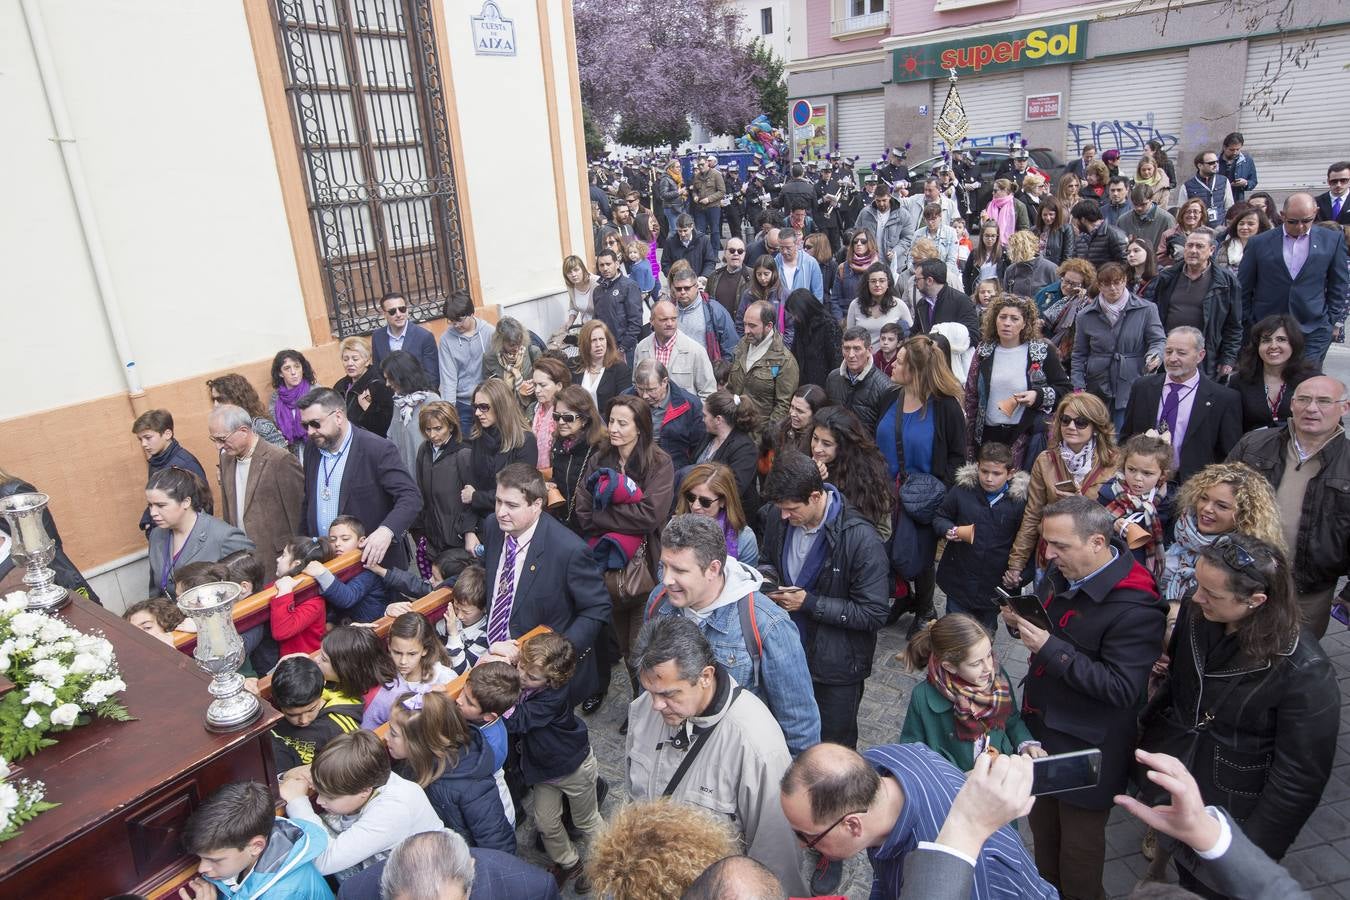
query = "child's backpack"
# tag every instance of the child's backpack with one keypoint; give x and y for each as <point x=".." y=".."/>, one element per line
<point x="749" y="629"/>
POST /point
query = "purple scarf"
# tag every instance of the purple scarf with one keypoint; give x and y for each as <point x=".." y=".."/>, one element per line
<point x="284" y="411"/>
<point x="733" y="539"/>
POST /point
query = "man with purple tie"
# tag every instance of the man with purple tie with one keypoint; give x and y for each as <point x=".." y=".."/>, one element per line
<point x="540" y="573"/>
<point x="1202" y="417"/>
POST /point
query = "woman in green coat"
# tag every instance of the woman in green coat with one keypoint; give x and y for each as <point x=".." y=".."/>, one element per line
<point x="965" y="706"/>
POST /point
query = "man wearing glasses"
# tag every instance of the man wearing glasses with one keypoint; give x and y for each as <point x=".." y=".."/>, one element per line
<point x="1208" y="185"/>
<point x="399" y="333"/>
<point x="890" y="800"/>
<point x="351" y="472"/>
<point x="729" y="280"/>
<point x="1309" y="463"/>
<point x="698" y="737"/>
<point x="1300" y="271"/>
<point x="262" y="487"/>
<point x="1334" y="205"/>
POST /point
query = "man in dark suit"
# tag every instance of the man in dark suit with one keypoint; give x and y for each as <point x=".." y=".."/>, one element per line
<point x="262" y="487"/>
<point x="540" y="573"/>
<point x="941" y="302"/>
<point x="1203" y="417"/>
<point x="400" y="334"/>
<point x="1300" y="271"/>
<point x="351" y="472"/>
<point x="1334" y="204"/>
<point x="443" y="858"/>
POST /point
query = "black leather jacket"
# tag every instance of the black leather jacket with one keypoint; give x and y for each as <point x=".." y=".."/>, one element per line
<point x="1259" y="737"/>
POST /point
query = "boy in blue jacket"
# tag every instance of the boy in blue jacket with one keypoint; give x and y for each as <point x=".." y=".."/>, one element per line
<point x="247" y="852"/>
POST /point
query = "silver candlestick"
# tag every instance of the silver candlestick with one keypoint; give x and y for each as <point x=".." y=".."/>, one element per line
<point x="34" y="549"/>
<point x="219" y="652"/>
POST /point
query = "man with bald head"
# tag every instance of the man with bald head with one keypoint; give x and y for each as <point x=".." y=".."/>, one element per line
<point x="762" y="368"/>
<point x="1308" y="463"/>
<point x="684" y="358"/>
<point x="885" y="801"/>
<point x="1300" y="271"/>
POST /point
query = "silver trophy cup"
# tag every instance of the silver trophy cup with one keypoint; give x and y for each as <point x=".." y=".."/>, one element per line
<point x="219" y="652"/>
<point x="34" y="549"/>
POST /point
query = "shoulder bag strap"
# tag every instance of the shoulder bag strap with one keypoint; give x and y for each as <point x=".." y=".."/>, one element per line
<point x="697" y="748"/>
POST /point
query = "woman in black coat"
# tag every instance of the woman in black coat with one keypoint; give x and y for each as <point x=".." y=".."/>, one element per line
<point x="1270" y="367"/>
<point x="601" y="368"/>
<point x="1251" y="704"/>
<point x="442" y="463"/>
<point x="817" y="341"/>
<point x="370" y="403"/>
<point x="577" y="431"/>
<point x="499" y="438"/>
<point x="731" y="421"/>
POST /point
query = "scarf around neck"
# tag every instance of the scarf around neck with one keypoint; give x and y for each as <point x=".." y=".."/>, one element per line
<point x="976" y="710"/>
<point x="732" y="538"/>
<point x="1179" y="569"/>
<point x="408" y="404"/>
<point x="287" y="416"/>
<point x="1005" y="214"/>
<point x="861" y="264"/>
<point x="1079" y="464"/>
<point x="1112" y="311"/>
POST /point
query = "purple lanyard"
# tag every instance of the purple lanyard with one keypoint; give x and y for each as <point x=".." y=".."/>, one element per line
<point x="171" y="561"/>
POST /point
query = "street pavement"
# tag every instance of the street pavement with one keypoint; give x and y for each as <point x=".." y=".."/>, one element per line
<point x="1319" y="859"/>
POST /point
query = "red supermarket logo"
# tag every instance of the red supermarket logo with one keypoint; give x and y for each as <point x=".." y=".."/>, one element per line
<point x="1048" y="45"/>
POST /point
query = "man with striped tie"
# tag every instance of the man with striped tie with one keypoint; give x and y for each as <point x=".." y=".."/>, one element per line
<point x="540" y="573"/>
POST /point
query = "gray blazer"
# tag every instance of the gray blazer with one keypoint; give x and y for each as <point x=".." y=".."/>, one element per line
<point x="935" y="875"/>
<point x="211" y="540"/>
<point x="1243" y="871"/>
<point x="1108" y="359"/>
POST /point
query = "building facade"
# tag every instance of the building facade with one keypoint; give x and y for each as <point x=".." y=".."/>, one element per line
<point x="768" y="21"/>
<point x="197" y="185"/>
<point x="1060" y="75"/>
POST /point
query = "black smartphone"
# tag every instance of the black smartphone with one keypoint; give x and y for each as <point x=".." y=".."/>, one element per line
<point x="1066" y="772"/>
<point x="1028" y="606"/>
<point x="768" y="586"/>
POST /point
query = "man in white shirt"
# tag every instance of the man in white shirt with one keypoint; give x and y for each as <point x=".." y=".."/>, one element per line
<point x="262" y="487"/>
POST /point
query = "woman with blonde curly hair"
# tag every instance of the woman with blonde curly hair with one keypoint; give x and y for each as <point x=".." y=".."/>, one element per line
<point x="1082" y="453"/>
<point x="1027" y="272"/>
<point x="1015" y="378"/>
<point x="653" y="850"/>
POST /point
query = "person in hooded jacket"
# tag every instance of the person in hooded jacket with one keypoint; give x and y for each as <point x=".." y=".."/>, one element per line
<point x="1086" y="676"/>
<point x="248" y="852"/>
<point x="433" y="746"/>
<point x="818" y="343"/>
<point x="834" y="580"/>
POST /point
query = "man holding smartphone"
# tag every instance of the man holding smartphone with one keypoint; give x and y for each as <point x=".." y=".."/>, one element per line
<point x="1085" y="678"/>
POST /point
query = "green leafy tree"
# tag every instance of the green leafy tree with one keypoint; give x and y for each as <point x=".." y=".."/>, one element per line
<point x="769" y="82"/>
<point x="595" y="138"/>
<point x="639" y="132"/>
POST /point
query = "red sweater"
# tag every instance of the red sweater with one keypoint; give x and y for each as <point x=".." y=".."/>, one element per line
<point x="297" y="627"/>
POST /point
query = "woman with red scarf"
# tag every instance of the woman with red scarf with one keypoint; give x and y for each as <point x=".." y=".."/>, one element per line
<point x="862" y="252"/>
<point x="965" y="706"/>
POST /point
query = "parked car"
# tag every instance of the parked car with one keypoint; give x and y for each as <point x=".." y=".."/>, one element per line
<point x="989" y="159"/>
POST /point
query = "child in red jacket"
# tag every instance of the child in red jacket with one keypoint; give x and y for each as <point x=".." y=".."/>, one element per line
<point x="298" y="625"/>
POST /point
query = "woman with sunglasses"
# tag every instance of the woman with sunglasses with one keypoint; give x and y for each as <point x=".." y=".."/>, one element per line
<point x="1080" y="459"/>
<point x="859" y="257"/>
<point x="234" y="389"/>
<point x="549" y="377"/>
<point x="499" y="437"/>
<point x="709" y="490"/>
<point x="577" y="431"/>
<point x="1251" y="702"/>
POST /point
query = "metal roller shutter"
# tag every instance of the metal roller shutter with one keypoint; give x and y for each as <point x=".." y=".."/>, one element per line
<point x="1122" y="104"/>
<point x="993" y="105"/>
<point x="861" y="129"/>
<point x="1294" y="144"/>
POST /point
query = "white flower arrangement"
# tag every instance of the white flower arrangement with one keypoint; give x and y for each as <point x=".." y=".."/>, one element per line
<point x="61" y="678"/>
<point x="20" y="802"/>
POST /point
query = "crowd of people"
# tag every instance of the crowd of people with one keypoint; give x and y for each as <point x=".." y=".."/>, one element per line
<point x="1100" y="425"/>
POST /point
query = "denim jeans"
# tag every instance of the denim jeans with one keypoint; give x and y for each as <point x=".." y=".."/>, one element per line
<point x="466" y="420"/>
<point x="708" y="219"/>
<point x="1315" y="345"/>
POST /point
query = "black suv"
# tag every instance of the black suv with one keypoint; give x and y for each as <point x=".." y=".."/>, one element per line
<point x="990" y="159"/>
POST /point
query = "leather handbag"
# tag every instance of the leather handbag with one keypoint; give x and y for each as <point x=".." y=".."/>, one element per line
<point x="634" y="582"/>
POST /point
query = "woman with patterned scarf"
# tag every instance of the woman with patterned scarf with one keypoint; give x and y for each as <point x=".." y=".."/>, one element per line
<point x="859" y="256"/>
<point x="1081" y="458"/>
<point x="965" y="706"/>
<point x="413" y="389"/>
<point x="511" y="357"/>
